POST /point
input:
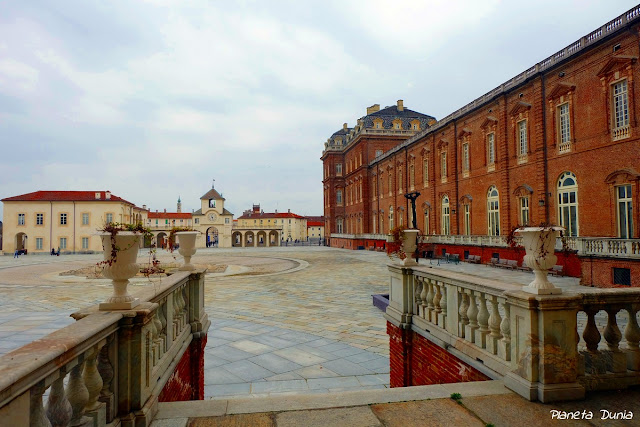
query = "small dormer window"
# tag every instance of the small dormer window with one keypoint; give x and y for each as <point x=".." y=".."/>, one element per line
<point x="397" y="125"/>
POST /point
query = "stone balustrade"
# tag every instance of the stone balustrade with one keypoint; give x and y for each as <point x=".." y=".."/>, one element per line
<point x="531" y="341"/>
<point x="115" y="364"/>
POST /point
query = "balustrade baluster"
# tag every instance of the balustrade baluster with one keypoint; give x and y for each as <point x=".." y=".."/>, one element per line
<point x="77" y="394"/>
<point x="470" y="329"/>
<point x="163" y="322"/>
<point x="443" y="303"/>
<point x="58" y="408"/>
<point x="462" y="311"/>
<point x="416" y="295"/>
<point x="176" y="318"/>
<point x="106" y="373"/>
<point x="92" y="379"/>
<point x="430" y="296"/>
<point x="37" y="414"/>
<point x="594" y="363"/>
<point x="505" y="329"/>
<point x="632" y="337"/>
<point x="423" y="299"/>
<point x="617" y="361"/>
<point x="436" y="302"/>
<point x="494" y="325"/>
<point x="483" y="323"/>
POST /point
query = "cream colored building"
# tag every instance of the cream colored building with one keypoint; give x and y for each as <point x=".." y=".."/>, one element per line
<point x="258" y="228"/>
<point x="68" y="220"/>
<point x="213" y="221"/>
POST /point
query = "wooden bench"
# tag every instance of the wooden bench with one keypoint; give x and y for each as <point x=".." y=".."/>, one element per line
<point x="557" y="270"/>
<point x="474" y="259"/>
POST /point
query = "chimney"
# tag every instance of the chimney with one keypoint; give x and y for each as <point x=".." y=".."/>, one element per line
<point x="107" y="195"/>
<point x="288" y="210"/>
<point x="256" y="208"/>
<point x="400" y="105"/>
<point x="373" y="109"/>
<point x="345" y="127"/>
<point x="276" y="210"/>
<point x="144" y="207"/>
<point x="165" y="210"/>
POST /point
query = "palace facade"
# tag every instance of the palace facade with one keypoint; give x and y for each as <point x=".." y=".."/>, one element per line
<point x="556" y="144"/>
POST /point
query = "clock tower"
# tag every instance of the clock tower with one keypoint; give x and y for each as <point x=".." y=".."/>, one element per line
<point x="213" y="221"/>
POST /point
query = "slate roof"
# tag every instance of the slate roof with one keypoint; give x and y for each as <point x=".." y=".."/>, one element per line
<point x="212" y="194"/>
<point x="65" y="196"/>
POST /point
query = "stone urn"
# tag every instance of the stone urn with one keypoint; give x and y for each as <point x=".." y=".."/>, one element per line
<point x="409" y="245"/>
<point x="187" y="248"/>
<point x="121" y="269"/>
<point x="539" y="242"/>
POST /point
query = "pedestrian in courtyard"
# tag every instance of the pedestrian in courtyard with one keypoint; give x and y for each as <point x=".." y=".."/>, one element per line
<point x="16" y="254"/>
<point x="53" y="252"/>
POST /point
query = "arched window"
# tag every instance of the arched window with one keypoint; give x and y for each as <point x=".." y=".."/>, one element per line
<point x="446" y="224"/>
<point x="493" y="211"/>
<point x="390" y="217"/>
<point x="568" y="203"/>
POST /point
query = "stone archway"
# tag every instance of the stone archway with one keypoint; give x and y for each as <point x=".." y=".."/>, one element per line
<point x="273" y="238"/>
<point x="249" y="239"/>
<point x="161" y="240"/>
<point x="261" y="238"/>
<point x="236" y="239"/>
<point x="21" y="241"/>
<point x="212" y="237"/>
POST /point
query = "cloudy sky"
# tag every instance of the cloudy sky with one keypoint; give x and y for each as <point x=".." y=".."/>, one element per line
<point x="154" y="99"/>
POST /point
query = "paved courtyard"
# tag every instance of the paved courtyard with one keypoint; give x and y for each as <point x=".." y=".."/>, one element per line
<point x="284" y="320"/>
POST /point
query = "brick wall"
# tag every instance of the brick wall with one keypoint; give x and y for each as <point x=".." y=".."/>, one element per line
<point x="599" y="272"/>
<point x="187" y="381"/>
<point x="414" y="360"/>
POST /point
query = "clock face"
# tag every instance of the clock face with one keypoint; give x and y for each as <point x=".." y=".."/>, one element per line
<point x="212" y="217"/>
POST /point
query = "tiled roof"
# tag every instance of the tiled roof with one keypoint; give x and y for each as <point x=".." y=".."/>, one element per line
<point x="316" y="218"/>
<point x="65" y="196"/>
<point x="169" y="215"/>
<point x="270" y="215"/>
<point x="315" y="223"/>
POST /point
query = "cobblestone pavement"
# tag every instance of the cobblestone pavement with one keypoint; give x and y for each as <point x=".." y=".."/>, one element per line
<point x="284" y="320"/>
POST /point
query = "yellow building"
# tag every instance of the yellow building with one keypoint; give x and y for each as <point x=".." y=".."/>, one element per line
<point x="258" y="228"/>
<point x="67" y="220"/>
<point x="213" y="221"/>
<point x="315" y="228"/>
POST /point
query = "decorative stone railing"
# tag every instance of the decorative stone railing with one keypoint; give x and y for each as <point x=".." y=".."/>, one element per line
<point x="531" y="341"/>
<point x="114" y="363"/>
<point x="619" y="248"/>
<point x="621" y="132"/>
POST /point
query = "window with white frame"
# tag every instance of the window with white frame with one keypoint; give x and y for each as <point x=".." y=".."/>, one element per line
<point x="620" y="110"/>
<point x="445" y="214"/>
<point x="467" y="218"/>
<point x="63" y="243"/>
<point x="568" y="203"/>
<point x="109" y="218"/>
<point x="465" y="159"/>
<point x="85" y="243"/>
<point x="390" y="217"/>
<point x="85" y="219"/>
<point x="624" y="207"/>
<point x="339" y="225"/>
<point x="38" y="243"/>
<point x="491" y="149"/>
<point x="39" y="219"/>
<point x="522" y="139"/>
<point x="493" y="212"/>
<point x="338" y="169"/>
<point x="63" y="219"/>
<point x="564" y="128"/>
<point x="339" y="197"/>
<point x="20" y="219"/>
<point x="443" y="166"/>
<point x="524" y="210"/>
<point x="390" y="183"/>
<point x="400" y="218"/>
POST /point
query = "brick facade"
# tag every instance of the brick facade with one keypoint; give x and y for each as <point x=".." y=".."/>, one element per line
<point x="187" y="381"/>
<point x="524" y="120"/>
<point x="414" y="360"/>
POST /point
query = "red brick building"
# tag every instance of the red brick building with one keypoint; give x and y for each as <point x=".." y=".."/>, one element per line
<point x="556" y="144"/>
